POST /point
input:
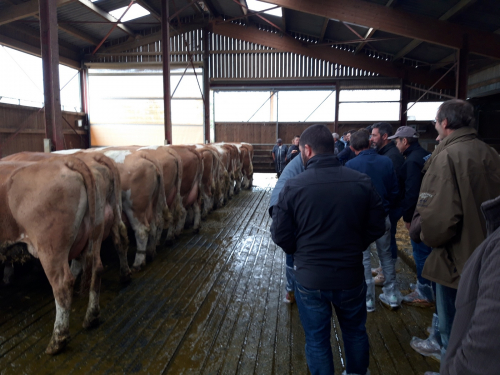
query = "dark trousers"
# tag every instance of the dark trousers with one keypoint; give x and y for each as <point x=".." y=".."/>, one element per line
<point x="394" y="215"/>
<point x="315" y="309"/>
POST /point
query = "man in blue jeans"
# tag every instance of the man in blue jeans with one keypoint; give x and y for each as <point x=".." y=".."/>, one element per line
<point x="326" y="216"/>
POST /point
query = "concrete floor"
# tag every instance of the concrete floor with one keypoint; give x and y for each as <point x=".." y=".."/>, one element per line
<point x="209" y="304"/>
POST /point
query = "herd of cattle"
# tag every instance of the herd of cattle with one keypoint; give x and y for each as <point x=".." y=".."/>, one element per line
<point x="59" y="207"/>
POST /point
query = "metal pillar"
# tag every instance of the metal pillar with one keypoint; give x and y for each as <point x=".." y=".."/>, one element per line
<point x="337" y="106"/>
<point x="165" y="43"/>
<point x="50" y="65"/>
<point x="403" y="104"/>
<point x="206" y="85"/>
<point x="462" y="74"/>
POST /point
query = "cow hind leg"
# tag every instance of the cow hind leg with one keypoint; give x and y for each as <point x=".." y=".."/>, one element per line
<point x="62" y="282"/>
<point x="189" y="217"/>
<point x="120" y="240"/>
<point x="76" y="268"/>
<point x="181" y="222"/>
<point x="93" y="310"/>
<point x="197" y="217"/>
<point x="141" y="236"/>
<point x="8" y="273"/>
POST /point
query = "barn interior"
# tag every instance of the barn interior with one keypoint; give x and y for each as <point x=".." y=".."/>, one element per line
<point x="211" y="303"/>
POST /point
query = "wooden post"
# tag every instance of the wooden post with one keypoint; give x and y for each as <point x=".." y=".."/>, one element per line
<point x="165" y="46"/>
<point x="206" y="84"/>
<point x="50" y="64"/>
<point x="403" y="104"/>
<point x="463" y="56"/>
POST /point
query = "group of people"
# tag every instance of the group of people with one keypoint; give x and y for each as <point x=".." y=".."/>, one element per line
<point x="329" y="206"/>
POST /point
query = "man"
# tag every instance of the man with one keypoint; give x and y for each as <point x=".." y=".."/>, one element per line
<point x="475" y="336"/>
<point x="381" y="171"/>
<point x="339" y="145"/>
<point x="347" y="153"/>
<point x="293" y="151"/>
<point x="310" y="221"/>
<point x="279" y="156"/>
<point x="415" y="156"/>
<point x="381" y="131"/>
<point x="461" y="173"/>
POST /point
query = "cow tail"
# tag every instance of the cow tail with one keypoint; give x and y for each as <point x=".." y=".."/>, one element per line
<point x="162" y="199"/>
<point x="90" y="256"/>
<point x="177" y="205"/>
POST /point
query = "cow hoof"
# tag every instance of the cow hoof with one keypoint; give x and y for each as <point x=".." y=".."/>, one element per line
<point x="126" y="277"/>
<point x="91" y="320"/>
<point x="136" y="269"/>
<point x="57" y="344"/>
<point x="196" y="231"/>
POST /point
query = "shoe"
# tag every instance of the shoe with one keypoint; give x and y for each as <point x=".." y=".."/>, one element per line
<point x="431" y="373"/>
<point x="415" y="299"/>
<point x="289" y="298"/>
<point x="427" y="348"/>
<point x="390" y="302"/>
<point x="370" y="305"/>
<point x="379" y="280"/>
<point x="376" y="271"/>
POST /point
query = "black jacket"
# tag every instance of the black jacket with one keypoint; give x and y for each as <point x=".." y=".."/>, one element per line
<point x="346" y="154"/>
<point x="391" y="151"/>
<point x="289" y="155"/>
<point x="327" y="216"/>
<point x="411" y="172"/>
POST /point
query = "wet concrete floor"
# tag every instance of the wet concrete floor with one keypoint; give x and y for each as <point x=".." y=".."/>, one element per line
<point x="209" y="304"/>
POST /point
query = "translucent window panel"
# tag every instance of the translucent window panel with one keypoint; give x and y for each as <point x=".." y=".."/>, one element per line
<point x="126" y="86"/>
<point x="296" y="106"/>
<point x="126" y="111"/>
<point x="186" y="112"/>
<point x="369" y="111"/>
<point x="69" y="81"/>
<point x="369" y="95"/>
<point x="187" y="134"/>
<point x="423" y="111"/>
<point x="234" y="106"/>
<point x="188" y="88"/>
<point x="126" y="135"/>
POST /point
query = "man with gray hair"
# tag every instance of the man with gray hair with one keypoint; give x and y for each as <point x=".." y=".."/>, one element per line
<point x="279" y="156"/>
<point x="339" y="145"/>
<point x="461" y="173"/>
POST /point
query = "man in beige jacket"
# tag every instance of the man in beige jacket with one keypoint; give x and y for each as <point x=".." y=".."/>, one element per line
<point x="462" y="173"/>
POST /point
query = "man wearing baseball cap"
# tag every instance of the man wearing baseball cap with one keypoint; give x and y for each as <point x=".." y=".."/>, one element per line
<point x="406" y="139"/>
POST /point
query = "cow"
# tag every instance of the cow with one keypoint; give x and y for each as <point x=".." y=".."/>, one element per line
<point x="224" y="151"/>
<point x="192" y="173"/>
<point x="143" y="197"/>
<point x="50" y="207"/>
<point x="246" y="156"/>
<point x="109" y="200"/>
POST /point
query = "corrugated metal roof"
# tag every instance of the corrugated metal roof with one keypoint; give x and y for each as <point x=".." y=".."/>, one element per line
<point x="434" y="9"/>
<point x="431" y="53"/>
<point x="303" y="23"/>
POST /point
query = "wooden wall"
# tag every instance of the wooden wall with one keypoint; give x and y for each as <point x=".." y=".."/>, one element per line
<point x="260" y="132"/>
<point x="31" y="125"/>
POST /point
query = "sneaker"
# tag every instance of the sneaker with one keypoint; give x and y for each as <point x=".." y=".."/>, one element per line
<point x="376" y="271"/>
<point x="415" y="299"/>
<point x="289" y="298"/>
<point x="379" y="280"/>
<point x="427" y="348"/>
<point x="370" y="305"/>
<point x="390" y="302"/>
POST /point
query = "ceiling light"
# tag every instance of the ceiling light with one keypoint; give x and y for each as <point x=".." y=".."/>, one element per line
<point x="258" y="6"/>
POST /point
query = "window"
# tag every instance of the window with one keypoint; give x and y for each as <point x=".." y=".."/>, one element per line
<point x="258" y="6"/>
<point x="423" y="111"/>
<point x="21" y="78"/>
<point x="369" y="105"/>
<point x="135" y="11"/>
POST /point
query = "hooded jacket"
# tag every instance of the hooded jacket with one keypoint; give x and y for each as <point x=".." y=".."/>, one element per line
<point x="462" y="173"/>
<point x="391" y="151"/>
<point x="327" y="216"/>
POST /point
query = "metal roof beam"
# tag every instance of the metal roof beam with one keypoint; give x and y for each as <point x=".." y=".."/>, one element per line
<point x="399" y="22"/>
<point x="323" y="28"/>
<point x="253" y="35"/>
<point x="146" y="5"/>
<point x="23" y="10"/>
<point x="76" y="33"/>
<point x="459" y="7"/>
<point x="90" y="5"/>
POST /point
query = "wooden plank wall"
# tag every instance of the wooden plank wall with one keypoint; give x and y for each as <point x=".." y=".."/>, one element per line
<point x="31" y="121"/>
<point x="260" y="132"/>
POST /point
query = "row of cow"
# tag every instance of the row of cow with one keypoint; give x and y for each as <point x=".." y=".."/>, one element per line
<point x="59" y="207"/>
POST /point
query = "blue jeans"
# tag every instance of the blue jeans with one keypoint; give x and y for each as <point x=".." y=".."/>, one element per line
<point x="394" y="215"/>
<point x="315" y="309"/>
<point x="290" y="276"/>
<point x="420" y="253"/>
<point x="445" y="306"/>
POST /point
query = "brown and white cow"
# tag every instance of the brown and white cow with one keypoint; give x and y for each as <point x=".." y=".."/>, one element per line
<point x="143" y="197"/>
<point x="228" y="155"/>
<point x="246" y="157"/>
<point x="192" y="174"/>
<point x="50" y="206"/>
<point x="108" y="198"/>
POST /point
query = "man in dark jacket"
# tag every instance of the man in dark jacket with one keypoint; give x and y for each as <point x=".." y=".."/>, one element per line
<point x="415" y="156"/>
<point x="339" y="145"/>
<point x="279" y="155"/>
<point x="381" y="171"/>
<point x="381" y="131"/>
<point x="293" y="150"/>
<point x="347" y="153"/>
<point x="327" y="216"/>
